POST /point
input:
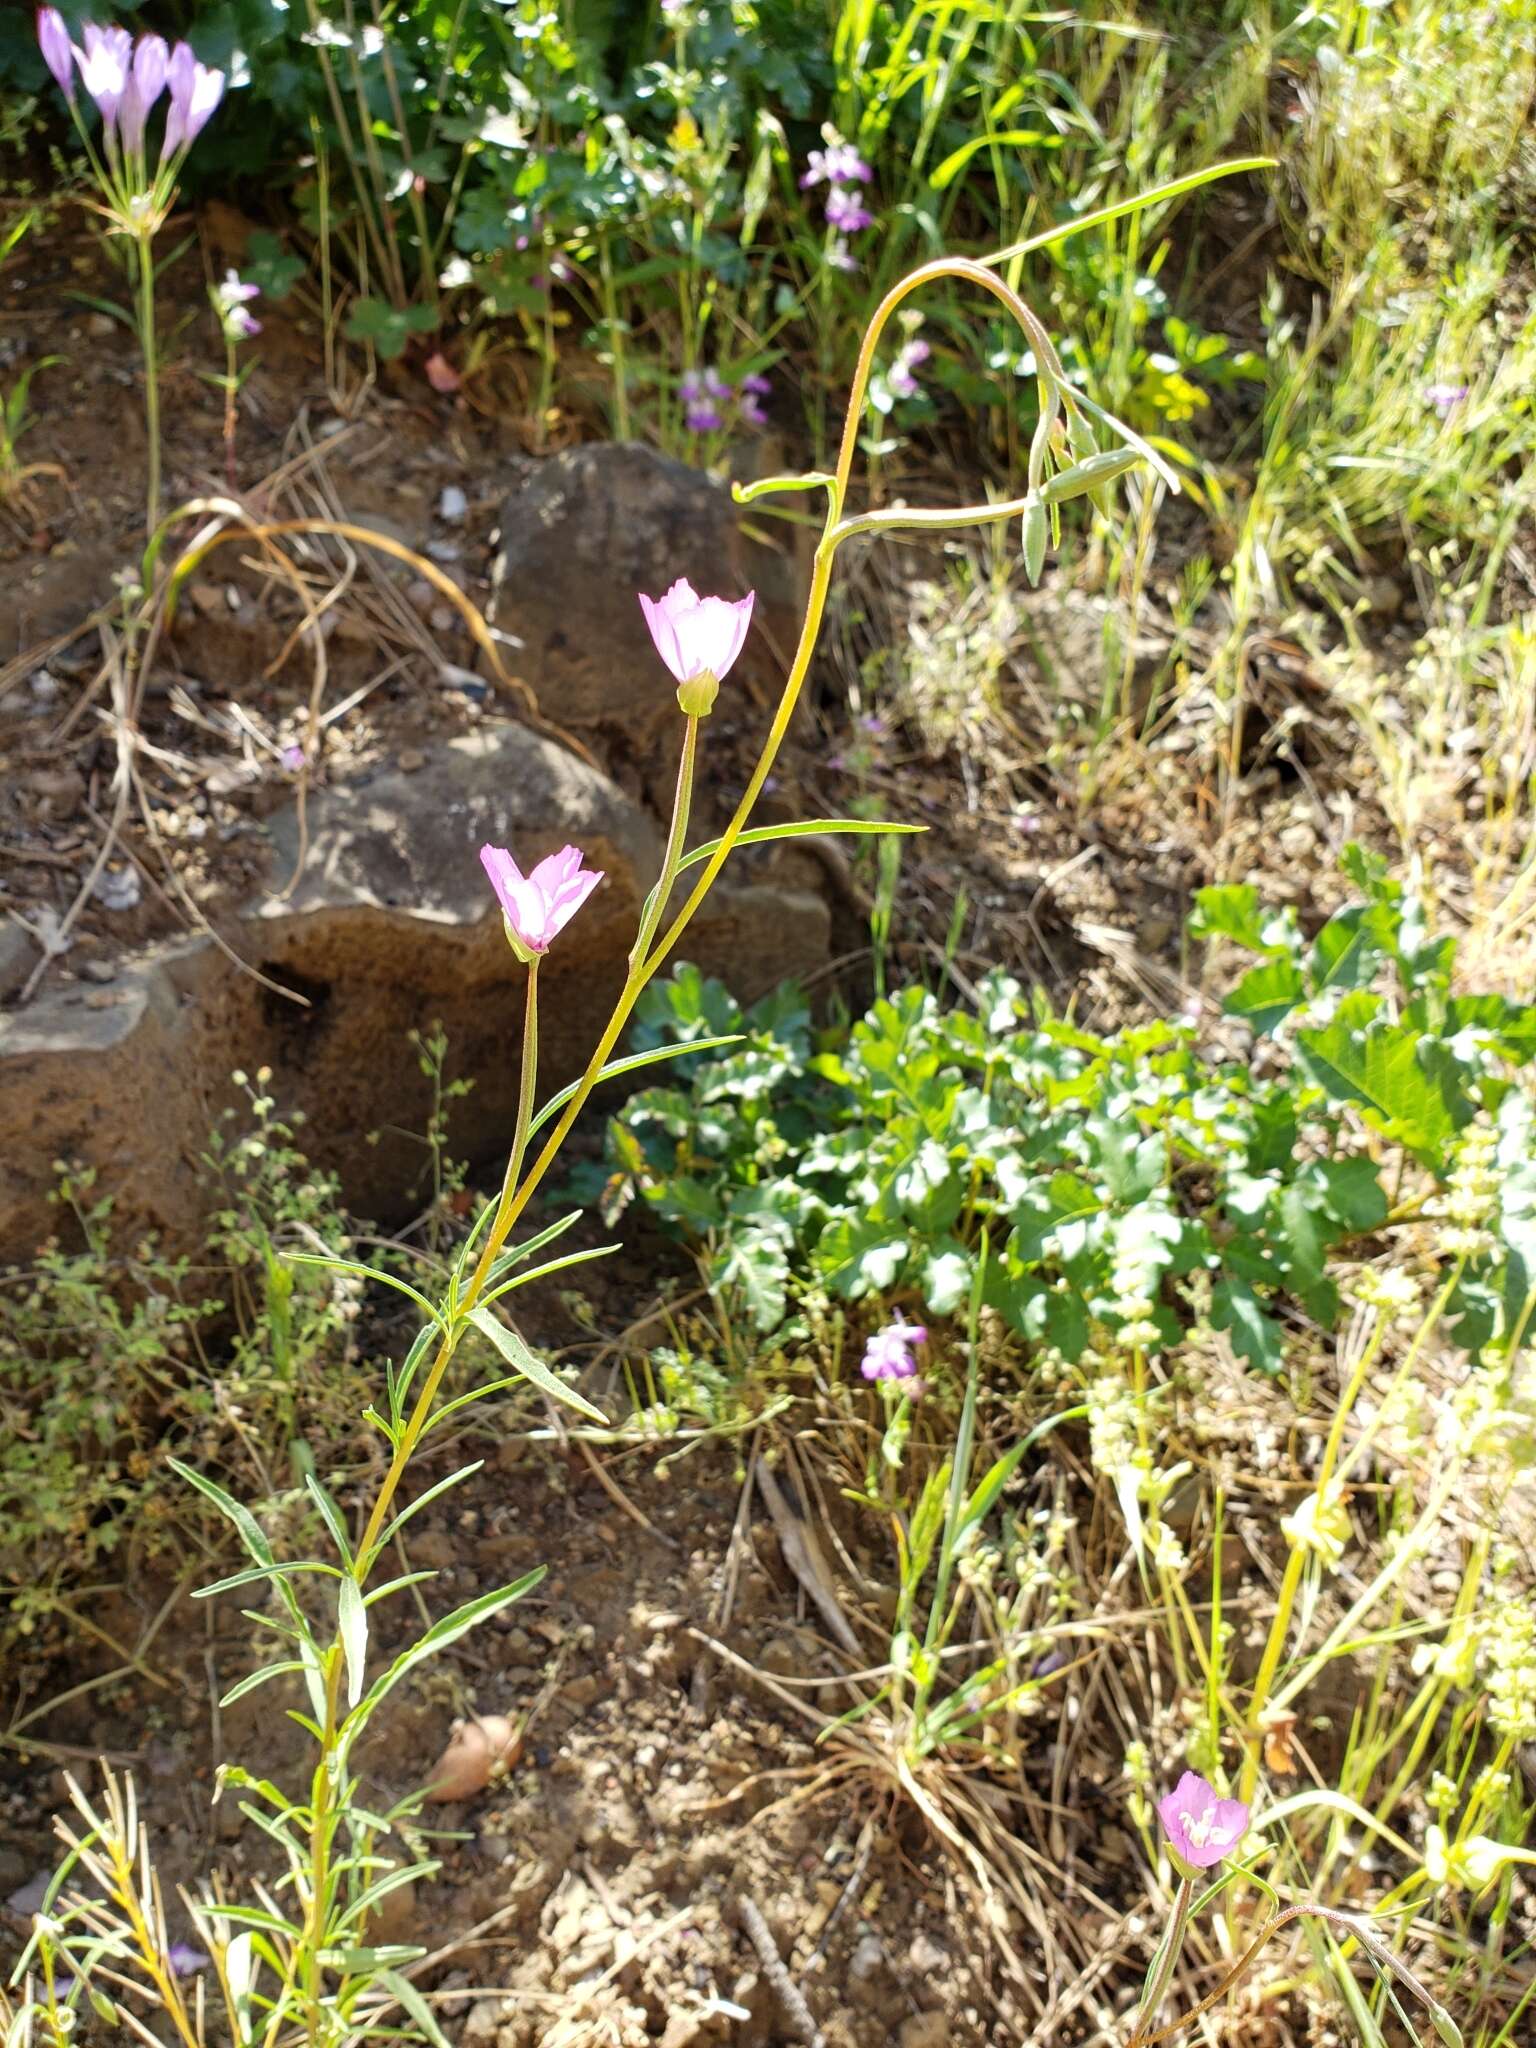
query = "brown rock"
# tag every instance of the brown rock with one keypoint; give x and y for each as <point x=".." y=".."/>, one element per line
<point x="923" y="2030"/>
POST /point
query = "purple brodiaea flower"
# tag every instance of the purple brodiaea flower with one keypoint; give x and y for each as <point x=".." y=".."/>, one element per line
<point x="900" y="378"/>
<point x="1201" y="1828"/>
<point x="1445" y="397"/>
<point x="104" y="66"/>
<point x="53" y="41"/>
<point x="888" y="1355"/>
<point x="196" y="90"/>
<point x="840" y="256"/>
<point x="838" y="164"/>
<point x="146" y="82"/>
<point x="846" y="212"/>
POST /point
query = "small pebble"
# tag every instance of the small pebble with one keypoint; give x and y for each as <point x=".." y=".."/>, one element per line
<point x="452" y="505"/>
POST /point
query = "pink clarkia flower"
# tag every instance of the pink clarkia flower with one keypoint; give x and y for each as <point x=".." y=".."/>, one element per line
<point x="846" y="212"/>
<point x="53" y="41"/>
<point x="146" y="82"/>
<point x="104" y="66"/>
<point x="539" y="905"/>
<point x="697" y="636"/>
<point x="889" y="1354"/>
<point x="1201" y="1828"/>
<point x="196" y="90"/>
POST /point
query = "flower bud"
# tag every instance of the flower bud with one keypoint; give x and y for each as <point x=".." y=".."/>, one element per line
<point x="696" y="697"/>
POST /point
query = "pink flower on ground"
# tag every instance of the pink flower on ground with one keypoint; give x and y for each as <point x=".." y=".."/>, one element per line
<point x="697" y="635"/>
<point x="441" y="374"/>
<point x="53" y="41"/>
<point x="1445" y="397"/>
<point x="889" y="1354"/>
<point x="908" y="359"/>
<point x="146" y="82"/>
<point x="196" y="90"/>
<point x="539" y="905"/>
<point x="1201" y="1828"/>
<point x="104" y="68"/>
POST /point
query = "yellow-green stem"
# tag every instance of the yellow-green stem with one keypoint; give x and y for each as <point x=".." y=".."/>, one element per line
<point x="1167" y="1957"/>
<point x="682" y="804"/>
<point x="146" y="261"/>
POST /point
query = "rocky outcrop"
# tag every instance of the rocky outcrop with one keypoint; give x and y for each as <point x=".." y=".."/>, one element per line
<point x="389" y="927"/>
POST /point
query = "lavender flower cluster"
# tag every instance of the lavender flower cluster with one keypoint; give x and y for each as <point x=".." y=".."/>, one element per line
<point x="708" y="400"/>
<point x="841" y="169"/>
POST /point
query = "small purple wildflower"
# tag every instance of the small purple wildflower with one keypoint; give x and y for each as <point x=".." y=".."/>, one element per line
<point x="196" y="90"/>
<point x="703" y="394"/>
<point x="230" y="300"/>
<point x="839" y="255"/>
<point x="104" y="70"/>
<point x="1201" y="1827"/>
<point x="900" y="377"/>
<point x="838" y="164"/>
<point x="846" y="212"/>
<point x="1445" y="397"/>
<point x="752" y="389"/>
<point x="889" y="1353"/>
<point x="186" y="1961"/>
<point x="293" y="759"/>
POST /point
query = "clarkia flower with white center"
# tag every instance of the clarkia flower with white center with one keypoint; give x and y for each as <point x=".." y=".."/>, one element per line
<point x="1201" y="1828"/>
<point x="53" y="41"/>
<point x="847" y="213"/>
<point x="537" y="907"/>
<point x="890" y="1353"/>
<point x="230" y="300"/>
<point x="698" y="638"/>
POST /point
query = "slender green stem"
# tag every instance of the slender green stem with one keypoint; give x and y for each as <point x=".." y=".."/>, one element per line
<point x="144" y="247"/>
<point x="1167" y="1957"/>
<point x="682" y="804"/>
<point x="527" y="1077"/>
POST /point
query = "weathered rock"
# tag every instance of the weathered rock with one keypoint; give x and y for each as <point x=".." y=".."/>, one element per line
<point x="388" y="926"/>
<point x="581" y="534"/>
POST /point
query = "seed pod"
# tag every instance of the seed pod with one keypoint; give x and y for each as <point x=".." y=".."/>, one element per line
<point x="1036" y="532"/>
<point x="1090" y="474"/>
<point x="477" y="1750"/>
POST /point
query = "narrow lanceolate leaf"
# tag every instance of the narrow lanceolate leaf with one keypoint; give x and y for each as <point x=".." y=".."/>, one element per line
<point x="352" y="1622"/>
<point x="247" y="1528"/>
<point x="1037" y="528"/>
<point x="528" y="1366"/>
<point x="444" y="1633"/>
<point x="627" y="1065"/>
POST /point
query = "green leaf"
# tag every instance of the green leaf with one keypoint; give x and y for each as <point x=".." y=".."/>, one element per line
<point x="387" y="327"/>
<point x="761" y="835"/>
<point x="755" y="1267"/>
<point x="1233" y="911"/>
<point x="1004" y="138"/>
<point x="330" y="1514"/>
<point x="422" y="1500"/>
<point x="365" y="1272"/>
<point x="441" y="1636"/>
<point x="946" y="1280"/>
<point x="1266" y="994"/>
<point x="1349" y="1191"/>
<point x="627" y="1065"/>
<point x="1345" y="953"/>
<point x="253" y="1679"/>
<point x="1404" y="1082"/>
<point x="859" y="1256"/>
<point x="352" y="1625"/>
<point x="523" y="1362"/>
<point x="1255" y="1335"/>
<point x="245" y="1524"/>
